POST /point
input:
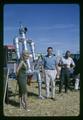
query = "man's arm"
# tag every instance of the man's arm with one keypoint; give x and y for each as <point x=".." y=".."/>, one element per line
<point x="72" y="63"/>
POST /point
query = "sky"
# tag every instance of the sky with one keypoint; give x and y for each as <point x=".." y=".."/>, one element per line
<point x="55" y="25"/>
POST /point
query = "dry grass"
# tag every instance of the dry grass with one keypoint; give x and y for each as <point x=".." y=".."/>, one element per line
<point x="65" y="105"/>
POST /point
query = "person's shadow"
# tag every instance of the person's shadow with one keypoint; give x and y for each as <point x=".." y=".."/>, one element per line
<point x="14" y="103"/>
<point x="32" y="94"/>
<point x="11" y="101"/>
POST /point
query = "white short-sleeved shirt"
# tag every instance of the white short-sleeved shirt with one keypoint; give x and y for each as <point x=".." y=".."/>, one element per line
<point x="68" y="61"/>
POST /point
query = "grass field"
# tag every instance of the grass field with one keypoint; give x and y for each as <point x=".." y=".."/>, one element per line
<point x="65" y="104"/>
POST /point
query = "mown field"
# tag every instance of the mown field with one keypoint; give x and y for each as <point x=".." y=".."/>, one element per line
<point x="65" y="104"/>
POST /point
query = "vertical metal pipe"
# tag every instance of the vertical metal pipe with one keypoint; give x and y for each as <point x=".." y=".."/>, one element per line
<point x="33" y="50"/>
<point x="16" y="43"/>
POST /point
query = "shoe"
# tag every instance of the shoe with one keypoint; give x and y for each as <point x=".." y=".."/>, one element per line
<point x="27" y="109"/>
<point x="66" y="91"/>
<point x="41" y="97"/>
<point x="60" y="90"/>
<point x="47" y="97"/>
<point x="76" y="90"/>
<point x="53" y="99"/>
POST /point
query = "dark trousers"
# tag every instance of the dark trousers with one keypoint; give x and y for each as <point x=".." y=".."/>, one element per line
<point x="64" y="79"/>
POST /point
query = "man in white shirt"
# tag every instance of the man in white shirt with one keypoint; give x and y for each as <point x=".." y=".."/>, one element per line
<point x="67" y="64"/>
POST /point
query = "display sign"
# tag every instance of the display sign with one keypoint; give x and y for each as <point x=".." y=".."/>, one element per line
<point x="10" y="53"/>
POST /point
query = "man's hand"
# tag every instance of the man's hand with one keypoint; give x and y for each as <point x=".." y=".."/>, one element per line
<point x="71" y="65"/>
